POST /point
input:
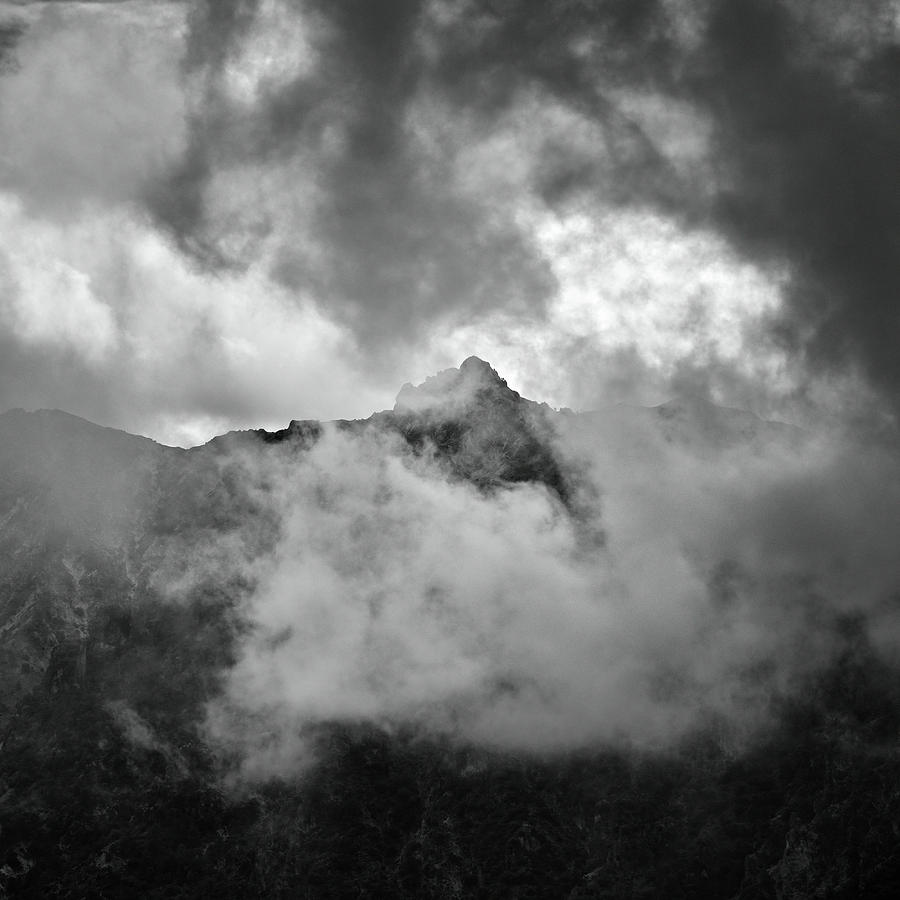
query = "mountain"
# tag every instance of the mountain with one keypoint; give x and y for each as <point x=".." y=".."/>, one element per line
<point x="142" y="591"/>
<point x="89" y="514"/>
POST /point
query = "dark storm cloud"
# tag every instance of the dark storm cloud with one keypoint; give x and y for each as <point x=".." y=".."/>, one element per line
<point x="395" y="244"/>
<point x="809" y="137"/>
<point x="214" y="29"/>
<point x="579" y="53"/>
<point x="802" y="171"/>
<point x="400" y="244"/>
<point x="804" y="101"/>
<point x="11" y="31"/>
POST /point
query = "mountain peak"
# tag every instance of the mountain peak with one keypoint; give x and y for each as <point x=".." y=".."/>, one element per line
<point x="454" y="389"/>
<point x="476" y="364"/>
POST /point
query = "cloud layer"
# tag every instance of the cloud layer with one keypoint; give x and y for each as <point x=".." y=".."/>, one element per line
<point x="392" y="181"/>
<point x="734" y="553"/>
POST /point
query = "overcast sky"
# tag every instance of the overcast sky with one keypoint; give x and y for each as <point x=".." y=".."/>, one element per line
<point x="232" y="213"/>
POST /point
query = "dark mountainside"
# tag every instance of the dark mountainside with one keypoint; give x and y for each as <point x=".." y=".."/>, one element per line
<point x="112" y="646"/>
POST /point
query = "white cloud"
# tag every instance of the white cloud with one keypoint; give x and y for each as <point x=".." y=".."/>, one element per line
<point x="276" y="51"/>
<point x="395" y="596"/>
<point x="632" y="283"/>
<point x="47" y="300"/>
<point x="184" y="354"/>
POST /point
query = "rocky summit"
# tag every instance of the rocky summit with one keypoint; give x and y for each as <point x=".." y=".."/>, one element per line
<point x="453" y="390"/>
<point x="486" y="431"/>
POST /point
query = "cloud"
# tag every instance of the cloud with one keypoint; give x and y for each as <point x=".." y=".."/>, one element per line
<point x="89" y="127"/>
<point x="429" y="142"/>
<point x="394" y="596"/>
<point x="105" y="319"/>
<point x="637" y="297"/>
<point x="364" y="214"/>
<point x="801" y="96"/>
<point x="419" y="174"/>
<point x="83" y="323"/>
<point x="11" y="31"/>
<point x="794" y="101"/>
<point x="381" y="126"/>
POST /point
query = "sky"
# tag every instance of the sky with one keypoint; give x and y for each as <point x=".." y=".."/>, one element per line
<point x="234" y="213"/>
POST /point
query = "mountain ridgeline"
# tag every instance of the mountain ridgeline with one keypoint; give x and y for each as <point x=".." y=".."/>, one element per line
<point x="468" y="647"/>
<point x="90" y="515"/>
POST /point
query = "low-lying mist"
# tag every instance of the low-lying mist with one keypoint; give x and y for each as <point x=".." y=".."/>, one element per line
<point x="732" y="555"/>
